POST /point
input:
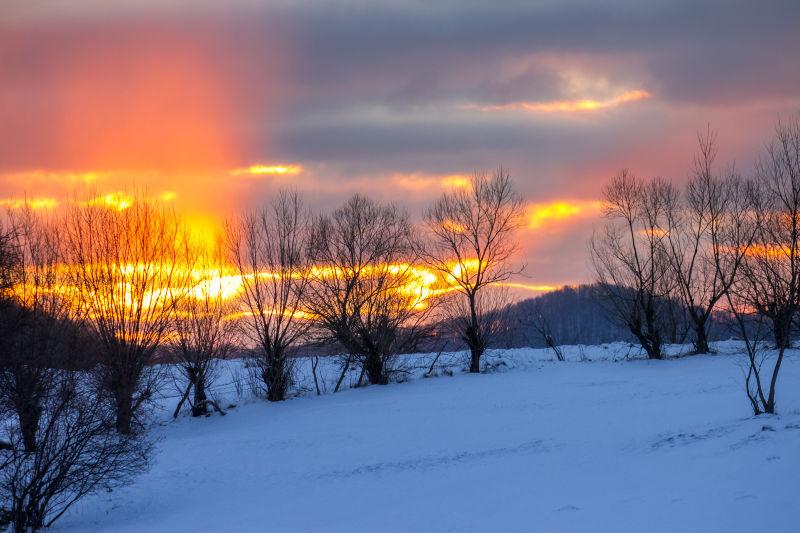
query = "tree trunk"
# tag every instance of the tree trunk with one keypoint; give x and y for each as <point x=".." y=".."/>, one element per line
<point x="780" y="331"/>
<point x="29" y="417"/>
<point x="475" y="361"/>
<point x="653" y="351"/>
<point x="474" y="342"/>
<point x="701" y="338"/>
<point x="376" y="373"/>
<point x="19" y="519"/>
<point x="650" y="344"/>
<point x="770" y="405"/>
<point x="26" y="517"/>
<point x="124" y="404"/>
<point x="473" y="338"/>
<point x="276" y="378"/>
<point x="200" y="405"/>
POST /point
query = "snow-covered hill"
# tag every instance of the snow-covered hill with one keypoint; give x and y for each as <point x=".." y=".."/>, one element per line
<point x="604" y="445"/>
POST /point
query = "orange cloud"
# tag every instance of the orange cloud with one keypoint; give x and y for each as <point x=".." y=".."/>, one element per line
<point x="530" y="287"/>
<point x="654" y="232"/>
<point x="168" y="196"/>
<point x="122" y="201"/>
<point x="114" y="200"/>
<point x="268" y="170"/>
<point x="418" y="181"/>
<point x="56" y="176"/>
<point x="568" y="106"/>
<point x="456" y="181"/>
<point x="542" y="214"/>
<point x="32" y="203"/>
<point x="412" y="181"/>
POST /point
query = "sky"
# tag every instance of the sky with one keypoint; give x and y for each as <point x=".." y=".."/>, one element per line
<point x="214" y="106"/>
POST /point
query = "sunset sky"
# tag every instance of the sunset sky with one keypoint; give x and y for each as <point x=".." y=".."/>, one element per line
<point x="213" y="106"/>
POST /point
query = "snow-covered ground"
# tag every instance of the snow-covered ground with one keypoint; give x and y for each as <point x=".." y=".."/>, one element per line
<point x="597" y="443"/>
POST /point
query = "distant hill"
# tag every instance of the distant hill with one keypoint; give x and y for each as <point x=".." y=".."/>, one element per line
<point x="574" y="314"/>
<point x="577" y="315"/>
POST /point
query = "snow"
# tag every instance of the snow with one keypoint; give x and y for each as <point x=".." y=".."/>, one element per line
<point x="613" y="444"/>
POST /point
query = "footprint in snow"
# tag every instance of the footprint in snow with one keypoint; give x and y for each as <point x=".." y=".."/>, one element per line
<point x="568" y="508"/>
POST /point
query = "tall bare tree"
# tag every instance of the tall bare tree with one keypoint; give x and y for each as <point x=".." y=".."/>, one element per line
<point x="57" y="440"/>
<point x="365" y="292"/>
<point x="774" y="266"/>
<point x="770" y="273"/>
<point x="270" y="252"/>
<point x="38" y="331"/>
<point x="204" y="329"/>
<point x="130" y="270"/>
<point x="630" y="257"/>
<point x="694" y="239"/>
<point x="472" y="246"/>
<point x="740" y="228"/>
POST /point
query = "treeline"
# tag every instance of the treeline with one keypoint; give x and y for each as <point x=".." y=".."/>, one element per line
<point x="581" y="314"/>
<point x="92" y="297"/>
<point x="723" y="244"/>
<point x="569" y="315"/>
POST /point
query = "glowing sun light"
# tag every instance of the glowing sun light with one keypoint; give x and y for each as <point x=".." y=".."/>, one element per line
<point x="268" y="170"/>
<point x="32" y="203"/>
<point x="541" y="214"/>
<point x="567" y="106"/>
<point x="115" y="200"/>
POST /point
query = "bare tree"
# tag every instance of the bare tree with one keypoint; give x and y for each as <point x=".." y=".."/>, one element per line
<point x="630" y="257"/>
<point x="269" y="249"/>
<point x="9" y="319"/>
<point x="204" y="330"/>
<point x="58" y="439"/>
<point x="740" y="229"/>
<point x="769" y="283"/>
<point x="472" y="243"/>
<point x="773" y="267"/>
<point x="365" y="292"/>
<point x="694" y="239"/>
<point x="36" y="326"/>
<point x="77" y="452"/>
<point x="130" y="270"/>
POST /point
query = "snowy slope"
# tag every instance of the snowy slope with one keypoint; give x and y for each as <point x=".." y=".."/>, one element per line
<point x="541" y="446"/>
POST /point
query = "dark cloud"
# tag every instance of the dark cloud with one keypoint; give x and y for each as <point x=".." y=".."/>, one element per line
<point x="389" y="45"/>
